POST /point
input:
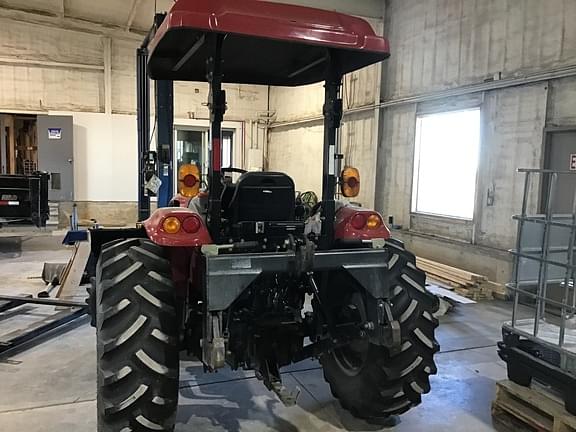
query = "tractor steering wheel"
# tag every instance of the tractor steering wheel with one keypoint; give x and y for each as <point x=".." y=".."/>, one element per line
<point x="233" y="170"/>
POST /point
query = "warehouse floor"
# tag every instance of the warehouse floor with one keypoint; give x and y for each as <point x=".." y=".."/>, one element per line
<point x="52" y="386"/>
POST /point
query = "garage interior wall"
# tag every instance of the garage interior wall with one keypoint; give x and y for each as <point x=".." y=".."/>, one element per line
<point x="516" y="60"/>
<point x="45" y="69"/>
<point x="52" y="63"/>
<point x="295" y="134"/>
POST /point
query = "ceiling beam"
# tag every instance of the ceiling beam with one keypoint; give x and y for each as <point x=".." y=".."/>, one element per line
<point x="133" y="10"/>
<point x="49" y="64"/>
<point x="69" y="23"/>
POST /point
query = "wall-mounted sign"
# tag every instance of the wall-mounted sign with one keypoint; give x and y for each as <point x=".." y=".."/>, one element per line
<point x="55" y="133"/>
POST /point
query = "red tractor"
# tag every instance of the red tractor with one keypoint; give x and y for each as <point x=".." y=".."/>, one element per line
<point x="227" y="277"/>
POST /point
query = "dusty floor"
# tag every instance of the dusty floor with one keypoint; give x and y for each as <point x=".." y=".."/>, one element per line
<point x="51" y="387"/>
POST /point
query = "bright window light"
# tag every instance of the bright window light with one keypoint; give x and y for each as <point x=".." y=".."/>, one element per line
<point x="445" y="163"/>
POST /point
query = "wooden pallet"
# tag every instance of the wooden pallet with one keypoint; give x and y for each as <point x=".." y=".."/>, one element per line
<point x="529" y="409"/>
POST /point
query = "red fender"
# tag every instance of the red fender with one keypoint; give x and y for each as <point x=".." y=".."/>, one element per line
<point x="182" y="238"/>
<point x="345" y="229"/>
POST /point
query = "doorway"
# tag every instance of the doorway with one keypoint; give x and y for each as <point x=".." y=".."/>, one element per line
<point x="18" y="144"/>
<point x="191" y="147"/>
<point x="560" y="155"/>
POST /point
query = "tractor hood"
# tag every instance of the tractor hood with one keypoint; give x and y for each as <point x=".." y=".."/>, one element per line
<point x="265" y="43"/>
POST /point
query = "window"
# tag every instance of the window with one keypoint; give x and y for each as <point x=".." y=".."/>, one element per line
<point x="191" y="147"/>
<point x="227" y="145"/>
<point x="445" y="163"/>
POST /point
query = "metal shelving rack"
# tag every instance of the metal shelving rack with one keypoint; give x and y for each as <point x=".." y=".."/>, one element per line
<point x="543" y="346"/>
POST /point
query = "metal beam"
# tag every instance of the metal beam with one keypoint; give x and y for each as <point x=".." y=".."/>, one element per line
<point x="48" y="64"/>
<point x="189" y="54"/>
<point x="164" y="139"/>
<point x="143" y="120"/>
<point x="533" y="78"/>
<point x="68" y="23"/>
<point x="19" y="300"/>
<point x="332" y="121"/>
<point x="529" y="78"/>
<point x="132" y="15"/>
<point x="107" y="42"/>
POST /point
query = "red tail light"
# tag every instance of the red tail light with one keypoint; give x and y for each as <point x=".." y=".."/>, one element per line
<point x="358" y="221"/>
<point x="190" y="181"/>
<point x="191" y="224"/>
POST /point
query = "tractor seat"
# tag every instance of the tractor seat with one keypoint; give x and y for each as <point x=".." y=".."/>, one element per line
<point x="226" y="198"/>
<point x="260" y="196"/>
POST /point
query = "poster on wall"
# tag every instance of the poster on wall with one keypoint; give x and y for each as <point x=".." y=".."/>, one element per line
<point x="54" y="133"/>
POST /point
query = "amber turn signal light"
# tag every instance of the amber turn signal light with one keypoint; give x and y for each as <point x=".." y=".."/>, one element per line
<point x="374" y="221"/>
<point x="189" y="180"/>
<point x="350" y="182"/>
<point x="171" y="225"/>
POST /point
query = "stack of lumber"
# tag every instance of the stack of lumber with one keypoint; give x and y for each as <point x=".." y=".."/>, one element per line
<point x="468" y="284"/>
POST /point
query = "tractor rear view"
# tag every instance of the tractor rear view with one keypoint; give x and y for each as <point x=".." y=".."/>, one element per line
<point x="247" y="274"/>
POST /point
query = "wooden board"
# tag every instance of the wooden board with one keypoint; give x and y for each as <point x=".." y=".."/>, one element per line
<point x="442" y="292"/>
<point x="533" y="408"/>
<point x="468" y="284"/>
<point x="450" y="271"/>
<point x="72" y="275"/>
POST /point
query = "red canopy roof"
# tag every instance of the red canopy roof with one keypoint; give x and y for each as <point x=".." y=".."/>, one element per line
<point x="266" y="43"/>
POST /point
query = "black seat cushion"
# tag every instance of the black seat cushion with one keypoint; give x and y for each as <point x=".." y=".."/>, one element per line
<point x="263" y="196"/>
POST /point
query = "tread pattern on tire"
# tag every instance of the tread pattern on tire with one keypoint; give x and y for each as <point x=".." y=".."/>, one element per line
<point x="390" y="383"/>
<point x="137" y="333"/>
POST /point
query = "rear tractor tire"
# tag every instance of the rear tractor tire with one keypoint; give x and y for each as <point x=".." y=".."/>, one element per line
<point x="137" y="334"/>
<point x="371" y="381"/>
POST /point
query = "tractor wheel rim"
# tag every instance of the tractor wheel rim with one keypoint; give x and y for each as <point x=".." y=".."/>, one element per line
<point x="352" y="357"/>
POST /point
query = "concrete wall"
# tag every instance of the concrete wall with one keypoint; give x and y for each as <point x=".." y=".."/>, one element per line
<point x="516" y="59"/>
<point x="442" y="54"/>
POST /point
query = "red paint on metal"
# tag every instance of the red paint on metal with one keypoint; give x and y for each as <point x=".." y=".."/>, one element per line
<point x="153" y="226"/>
<point x="346" y="230"/>
<point x="298" y="26"/>
<point x="270" y="20"/>
<point x="216" y="154"/>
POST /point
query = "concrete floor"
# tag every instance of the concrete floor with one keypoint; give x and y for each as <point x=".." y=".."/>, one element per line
<point x="52" y="386"/>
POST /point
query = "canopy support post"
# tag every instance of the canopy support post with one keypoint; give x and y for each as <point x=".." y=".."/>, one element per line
<point x="332" y="120"/>
<point x="143" y="119"/>
<point x="165" y="139"/>
<point x="217" y="107"/>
